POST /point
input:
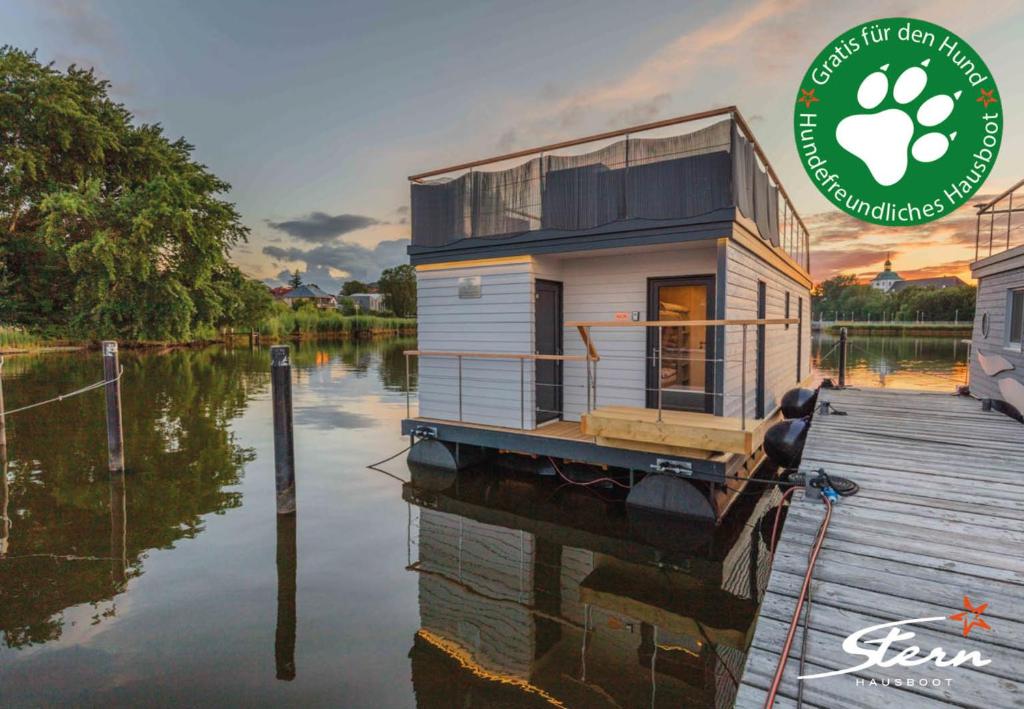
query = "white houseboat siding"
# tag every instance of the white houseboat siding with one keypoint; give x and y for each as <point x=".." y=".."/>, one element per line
<point x="743" y="271"/>
<point x="500" y="320"/>
<point x="595" y="286"/>
<point x="998" y="276"/>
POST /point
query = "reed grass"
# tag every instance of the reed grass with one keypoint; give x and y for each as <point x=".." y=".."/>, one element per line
<point x="309" y="322"/>
<point x="14" y="336"/>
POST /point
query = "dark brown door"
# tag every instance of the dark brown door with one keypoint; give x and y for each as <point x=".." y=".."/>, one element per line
<point x="548" y="333"/>
<point x="681" y="371"/>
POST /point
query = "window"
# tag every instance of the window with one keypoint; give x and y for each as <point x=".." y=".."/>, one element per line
<point x="787" y="309"/>
<point x="1016" y="317"/>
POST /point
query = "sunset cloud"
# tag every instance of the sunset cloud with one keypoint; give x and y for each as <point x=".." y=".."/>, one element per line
<point x="841" y="244"/>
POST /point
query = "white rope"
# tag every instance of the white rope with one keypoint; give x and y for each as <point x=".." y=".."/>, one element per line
<point x="61" y="397"/>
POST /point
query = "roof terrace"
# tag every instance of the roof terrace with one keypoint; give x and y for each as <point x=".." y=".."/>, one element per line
<point x="627" y="180"/>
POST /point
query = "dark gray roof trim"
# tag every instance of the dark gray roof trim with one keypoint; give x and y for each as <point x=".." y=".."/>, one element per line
<point x="630" y="232"/>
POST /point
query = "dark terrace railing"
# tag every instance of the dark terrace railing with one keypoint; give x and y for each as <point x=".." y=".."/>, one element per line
<point x="792" y="233"/>
<point x="996" y="229"/>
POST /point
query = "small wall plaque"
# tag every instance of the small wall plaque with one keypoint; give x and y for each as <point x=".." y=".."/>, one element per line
<point x="469" y="287"/>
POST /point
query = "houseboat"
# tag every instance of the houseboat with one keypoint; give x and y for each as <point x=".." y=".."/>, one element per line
<point x="637" y="300"/>
<point x="997" y="362"/>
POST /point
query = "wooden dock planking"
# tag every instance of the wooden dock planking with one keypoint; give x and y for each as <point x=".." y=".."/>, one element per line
<point x="940" y="515"/>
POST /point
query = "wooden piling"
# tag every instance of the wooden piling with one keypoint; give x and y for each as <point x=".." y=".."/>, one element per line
<point x="115" y="437"/>
<point x="287" y="563"/>
<point x="284" y="442"/>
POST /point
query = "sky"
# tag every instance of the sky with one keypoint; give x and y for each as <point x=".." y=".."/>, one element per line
<point x="317" y="111"/>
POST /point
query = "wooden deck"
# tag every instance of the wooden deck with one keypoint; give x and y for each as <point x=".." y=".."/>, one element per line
<point x="626" y="425"/>
<point x="940" y="516"/>
<point x="577" y="431"/>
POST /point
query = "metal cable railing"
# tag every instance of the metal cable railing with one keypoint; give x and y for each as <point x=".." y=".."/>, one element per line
<point x="516" y="383"/>
<point x="990" y="223"/>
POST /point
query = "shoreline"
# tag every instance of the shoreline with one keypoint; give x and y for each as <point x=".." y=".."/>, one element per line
<point x="908" y="329"/>
<point x="44" y="346"/>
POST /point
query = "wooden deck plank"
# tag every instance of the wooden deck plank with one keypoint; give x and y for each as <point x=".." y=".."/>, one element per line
<point x="940" y="515"/>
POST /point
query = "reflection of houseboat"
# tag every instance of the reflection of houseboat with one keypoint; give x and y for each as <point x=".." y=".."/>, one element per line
<point x="997" y="367"/>
<point x="643" y="305"/>
<point x="534" y="595"/>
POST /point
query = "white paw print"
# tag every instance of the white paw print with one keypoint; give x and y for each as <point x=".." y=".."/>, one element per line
<point x="881" y="139"/>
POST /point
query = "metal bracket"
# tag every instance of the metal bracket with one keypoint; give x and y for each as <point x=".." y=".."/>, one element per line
<point x="422" y="432"/>
<point x="673" y="467"/>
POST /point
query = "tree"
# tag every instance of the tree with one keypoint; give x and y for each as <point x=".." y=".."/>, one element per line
<point x="398" y="285"/>
<point x="107" y="228"/>
<point x="296" y="280"/>
<point x="354" y="286"/>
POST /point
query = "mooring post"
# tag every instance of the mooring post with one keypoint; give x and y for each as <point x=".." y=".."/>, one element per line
<point x="115" y="438"/>
<point x="284" y="441"/>
<point x="254" y="338"/>
<point x="842" y="357"/>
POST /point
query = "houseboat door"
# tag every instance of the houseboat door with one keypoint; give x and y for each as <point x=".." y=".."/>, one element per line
<point x="548" y="333"/>
<point x="682" y="377"/>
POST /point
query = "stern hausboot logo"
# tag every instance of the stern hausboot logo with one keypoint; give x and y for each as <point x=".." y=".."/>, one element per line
<point x="875" y="643"/>
<point x="898" y="122"/>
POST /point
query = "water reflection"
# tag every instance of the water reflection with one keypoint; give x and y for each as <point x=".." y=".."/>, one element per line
<point x="287" y="566"/>
<point x="534" y="594"/>
<point x="925" y="363"/>
<point x="71" y="534"/>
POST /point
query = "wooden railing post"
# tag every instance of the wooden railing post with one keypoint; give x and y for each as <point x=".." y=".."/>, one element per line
<point x="743" y="382"/>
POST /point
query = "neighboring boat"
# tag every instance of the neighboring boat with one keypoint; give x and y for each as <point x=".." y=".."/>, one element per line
<point x="997" y="362"/>
<point x="643" y="305"/>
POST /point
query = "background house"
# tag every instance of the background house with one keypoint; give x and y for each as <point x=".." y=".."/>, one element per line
<point x="310" y="293"/>
<point x="368" y="302"/>
<point x="888" y="281"/>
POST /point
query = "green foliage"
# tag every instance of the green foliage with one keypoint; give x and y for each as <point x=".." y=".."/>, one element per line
<point x="354" y="286"/>
<point x="398" y="285"/>
<point x="296" y="280"/>
<point x="107" y="228"/>
<point x="843" y="296"/>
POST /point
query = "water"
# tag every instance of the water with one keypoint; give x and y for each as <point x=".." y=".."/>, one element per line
<point x="924" y="363"/>
<point x="504" y="588"/>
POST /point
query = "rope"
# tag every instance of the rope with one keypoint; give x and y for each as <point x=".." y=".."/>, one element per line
<point x="373" y="466"/>
<point x="61" y="397"/>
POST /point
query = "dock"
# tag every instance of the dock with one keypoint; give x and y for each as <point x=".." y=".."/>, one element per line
<point x="939" y="517"/>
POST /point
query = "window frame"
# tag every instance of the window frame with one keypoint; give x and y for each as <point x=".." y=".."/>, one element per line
<point x="1015" y="316"/>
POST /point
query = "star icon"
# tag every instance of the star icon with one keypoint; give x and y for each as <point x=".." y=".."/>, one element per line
<point x="808" y="97"/>
<point x="971" y="616"/>
<point x="987" y="97"/>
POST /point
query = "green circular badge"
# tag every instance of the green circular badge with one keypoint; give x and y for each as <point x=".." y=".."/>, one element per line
<point x="898" y="121"/>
